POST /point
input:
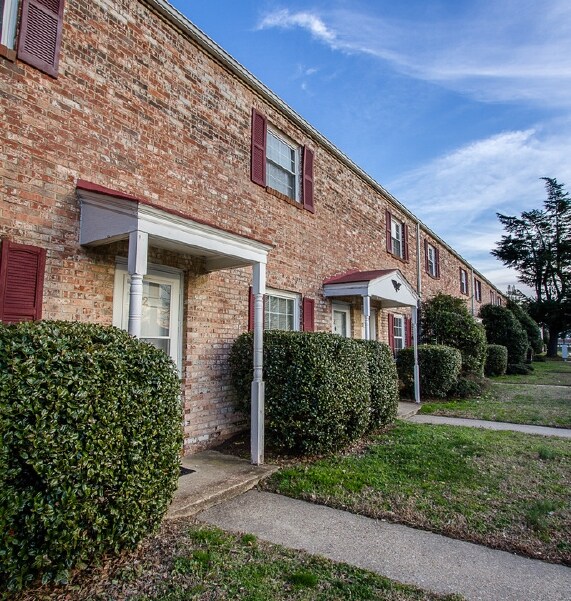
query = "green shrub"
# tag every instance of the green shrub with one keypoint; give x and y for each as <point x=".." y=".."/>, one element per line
<point x="530" y="326"/>
<point x="439" y="369"/>
<point x="446" y="320"/>
<point x="384" y="382"/>
<point x="496" y="360"/>
<point x="469" y="386"/>
<point x="90" y="422"/>
<point x="518" y="369"/>
<point x="503" y="328"/>
<point x="317" y="389"/>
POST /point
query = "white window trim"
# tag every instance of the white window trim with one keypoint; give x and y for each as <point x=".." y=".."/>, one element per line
<point x="464" y="282"/>
<point x="272" y="131"/>
<point x="290" y="296"/>
<point x="399" y="318"/>
<point x="397" y="235"/>
<point x="431" y="252"/>
<point x="157" y="273"/>
<point x="341" y="308"/>
<point x="9" y="18"/>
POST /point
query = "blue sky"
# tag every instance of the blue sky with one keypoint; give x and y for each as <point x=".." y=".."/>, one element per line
<point x="457" y="107"/>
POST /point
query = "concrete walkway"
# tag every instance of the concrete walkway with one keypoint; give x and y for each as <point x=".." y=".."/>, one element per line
<point x="478" y="423"/>
<point x="412" y="556"/>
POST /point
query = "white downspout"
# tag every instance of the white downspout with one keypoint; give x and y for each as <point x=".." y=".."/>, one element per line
<point x="137" y="266"/>
<point x="367" y="316"/>
<point x="415" y="347"/>
<point x="258" y="386"/>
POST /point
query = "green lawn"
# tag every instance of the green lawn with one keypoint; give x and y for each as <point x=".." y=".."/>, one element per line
<point x="503" y="489"/>
<point x="550" y="372"/>
<point x="186" y="561"/>
<point x="514" y="403"/>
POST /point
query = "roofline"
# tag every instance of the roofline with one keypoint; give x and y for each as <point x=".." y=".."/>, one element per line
<point x="185" y="26"/>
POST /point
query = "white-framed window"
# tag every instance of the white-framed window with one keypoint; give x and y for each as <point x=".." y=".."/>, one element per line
<point x="463" y="281"/>
<point x="341" y="320"/>
<point x="161" y="323"/>
<point x="431" y="260"/>
<point x="283" y="165"/>
<point x="281" y="310"/>
<point x="397" y="242"/>
<point x="399" y="334"/>
<point x="372" y="325"/>
<point x="8" y="17"/>
<point x="478" y="290"/>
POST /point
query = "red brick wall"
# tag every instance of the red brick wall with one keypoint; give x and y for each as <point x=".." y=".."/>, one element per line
<point x="139" y="108"/>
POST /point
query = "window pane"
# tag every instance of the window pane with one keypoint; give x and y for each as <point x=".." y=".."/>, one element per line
<point x="156" y="309"/>
<point x="281" y="166"/>
<point x="279" y="313"/>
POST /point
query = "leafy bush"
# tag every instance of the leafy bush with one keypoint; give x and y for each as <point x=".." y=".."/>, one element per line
<point x="530" y="326"/>
<point x="317" y="388"/>
<point x="469" y="386"/>
<point x="518" y="369"/>
<point x="496" y="360"/>
<point x="90" y="423"/>
<point x="384" y="382"/>
<point x="446" y="320"/>
<point x="439" y="369"/>
<point x="503" y="328"/>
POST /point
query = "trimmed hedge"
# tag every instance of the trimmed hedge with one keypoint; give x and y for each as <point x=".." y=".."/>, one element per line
<point x="469" y="386"/>
<point x="439" y="369"/>
<point x="503" y="328"/>
<point x="384" y="382"/>
<point x="90" y="422"/>
<point x="496" y="360"/>
<point x="530" y="326"/>
<point x="446" y="321"/>
<point x="317" y="389"/>
<point x="518" y="369"/>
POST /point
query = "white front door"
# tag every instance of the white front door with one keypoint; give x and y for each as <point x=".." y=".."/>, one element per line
<point x="161" y="320"/>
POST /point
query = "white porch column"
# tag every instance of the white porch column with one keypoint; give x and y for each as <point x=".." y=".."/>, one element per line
<point x="258" y="392"/>
<point x="415" y="346"/>
<point x="137" y="265"/>
<point x="367" y="316"/>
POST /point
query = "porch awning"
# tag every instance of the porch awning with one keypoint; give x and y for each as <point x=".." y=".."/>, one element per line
<point x="388" y="286"/>
<point x="108" y="215"/>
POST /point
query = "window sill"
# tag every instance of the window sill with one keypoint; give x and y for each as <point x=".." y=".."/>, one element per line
<point x="8" y="53"/>
<point x="282" y="196"/>
<point x="402" y="259"/>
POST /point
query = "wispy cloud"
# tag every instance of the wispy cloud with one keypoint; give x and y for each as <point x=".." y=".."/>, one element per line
<point x="501" y="52"/>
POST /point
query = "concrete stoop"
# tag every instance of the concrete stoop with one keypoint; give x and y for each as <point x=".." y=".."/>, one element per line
<point x="211" y="477"/>
<point x="407" y="409"/>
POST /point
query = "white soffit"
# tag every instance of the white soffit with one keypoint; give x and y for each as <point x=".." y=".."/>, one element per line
<point x="106" y="219"/>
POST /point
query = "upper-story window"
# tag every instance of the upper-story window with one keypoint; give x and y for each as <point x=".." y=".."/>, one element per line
<point x="478" y="290"/>
<point x="283" y="165"/>
<point x="463" y="281"/>
<point x="8" y="16"/>
<point x="397" y="236"/>
<point x="280" y="164"/>
<point x="431" y="260"/>
<point x="39" y="37"/>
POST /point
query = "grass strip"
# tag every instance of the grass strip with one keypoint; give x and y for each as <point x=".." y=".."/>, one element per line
<point x="514" y="403"/>
<point x="507" y="490"/>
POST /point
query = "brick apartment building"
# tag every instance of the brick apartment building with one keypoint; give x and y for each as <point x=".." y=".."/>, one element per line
<point x="149" y="181"/>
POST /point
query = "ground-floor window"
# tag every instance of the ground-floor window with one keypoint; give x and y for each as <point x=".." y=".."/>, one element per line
<point x="398" y="332"/>
<point x="342" y="320"/>
<point x="281" y="310"/>
<point x="161" y="320"/>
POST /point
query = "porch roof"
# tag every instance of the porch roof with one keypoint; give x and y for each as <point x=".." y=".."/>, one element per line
<point x="109" y="215"/>
<point x="389" y="286"/>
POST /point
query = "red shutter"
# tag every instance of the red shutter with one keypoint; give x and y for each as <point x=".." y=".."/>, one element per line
<point x="21" y="282"/>
<point x="426" y="267"/>
<point x="259" y="132"/>
<point x="408" y="331"/>
<point x="405" y="241"/>
<point x="308" y="179"/>
<point x="250" y="310"/>
<point x="388" y="218"/>
<point x="308" y="315"/>
<point x="437" y="260"/>
<point x="392" y="331"/>
<point x="40" y="34"/>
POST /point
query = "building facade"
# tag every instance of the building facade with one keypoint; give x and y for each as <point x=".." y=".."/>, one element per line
<point x="148" y="181"/>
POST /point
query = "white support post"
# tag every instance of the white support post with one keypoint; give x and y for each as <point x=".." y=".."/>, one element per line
<point x="258" y="391"/>
<point x="367" y="316"/>
<point x="137" y="265"/>
<point x="415" y="346"/>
